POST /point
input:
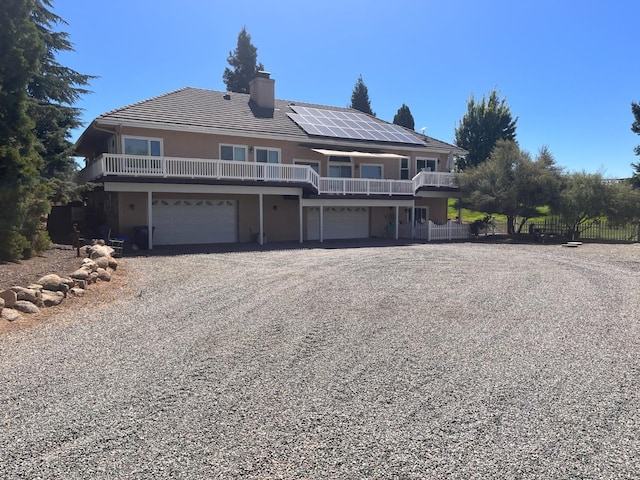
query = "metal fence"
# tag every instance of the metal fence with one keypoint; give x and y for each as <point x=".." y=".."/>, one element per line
<point x="598" y="230"/>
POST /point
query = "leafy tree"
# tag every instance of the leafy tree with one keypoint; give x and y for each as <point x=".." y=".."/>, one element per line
<point x="584" y="198"/>
<point x="624" y="204"/>
<point x="404" y="117"/>
<point x="482" y="126"/>
<point x="22" y="196"/>
<point x="244" y="62"/>
<point x="635" y="128"/>
<point x="511" y="183"/>
<point x="360" y="98"/>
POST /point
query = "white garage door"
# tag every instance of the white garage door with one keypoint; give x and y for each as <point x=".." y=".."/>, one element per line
<point x="339" y="222"/>
<point x="194" y="221"/>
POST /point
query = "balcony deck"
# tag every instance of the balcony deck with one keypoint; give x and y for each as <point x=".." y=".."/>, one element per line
<point x="136" y="166"/>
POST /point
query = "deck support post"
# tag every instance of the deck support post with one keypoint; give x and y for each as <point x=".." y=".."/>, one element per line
<point x="321" y="224"/>
<point x="260" y="203"/>
<point x="150" y="218"/>
<point x="300" y="217"/>
<point x="397" y="222"/>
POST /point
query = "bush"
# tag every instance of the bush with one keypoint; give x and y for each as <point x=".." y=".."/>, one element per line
<point x="478" y="225"/>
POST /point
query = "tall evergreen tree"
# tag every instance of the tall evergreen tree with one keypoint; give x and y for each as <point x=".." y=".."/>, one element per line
<point x="22" y="198"/>
<point x="244" y="60"/>
<point x="53" y="91"/>
<point x="360" y="98"/>
<point x="482" y="126"/>
<point x="404" y="117"/>
<point x="635" y="128"/>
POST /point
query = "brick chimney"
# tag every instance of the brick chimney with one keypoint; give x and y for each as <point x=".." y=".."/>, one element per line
<point x="262" y="90"/>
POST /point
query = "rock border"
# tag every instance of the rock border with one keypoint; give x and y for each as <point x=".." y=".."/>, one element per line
<point x="52" y="289"/>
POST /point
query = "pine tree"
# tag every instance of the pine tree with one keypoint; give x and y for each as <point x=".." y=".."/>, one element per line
<point x="244" y="62"/>
<point x="482" y="126"/>
<point x="404" y="117"/>
<point x="360" y="97"/>
<point x="53" y="91"/>
<point x="22" y="196"/>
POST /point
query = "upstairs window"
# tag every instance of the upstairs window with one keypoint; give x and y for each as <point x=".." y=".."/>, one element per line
<point x="267" y="155"/>
<point x="339" y="167"/>
<point x="149" y="147"/>
<point x="370" y="171"/>
<point x="404" y="169"/>
<point x="427" y="164"/>
<point x="236" y="153"/>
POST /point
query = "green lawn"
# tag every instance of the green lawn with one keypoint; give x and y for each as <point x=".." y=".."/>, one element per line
<point x="469" y="216"/>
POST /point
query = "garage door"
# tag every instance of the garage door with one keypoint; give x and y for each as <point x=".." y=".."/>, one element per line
<point x="339" y="222"/>
<point x="194" y="221"/>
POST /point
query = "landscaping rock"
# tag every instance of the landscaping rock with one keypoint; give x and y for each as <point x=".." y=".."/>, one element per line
<point x="69" y="282"/>
<point x="51" y="298"/>
<point x="103" y="275"/>
<point x="28" y="294"/>
<point x="77" y="292"/>
<point x="93" y="277"/>
<point x="1" y="304"/>
<point x="50" y="282"/>
<point x="25" y="306"/>
<point x="89" y="264"/>
<point x="113" y="263"/>
<point x="10" y="314"/>
<point x="96" y="251"/>
<point x="102" y="262"/>
<point x="10" y="298"/>
<point x="81" y="274"/>
<point x="79" y="284"/>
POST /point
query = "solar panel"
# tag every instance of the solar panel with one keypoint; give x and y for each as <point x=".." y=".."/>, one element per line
<point x="338" y="124"/>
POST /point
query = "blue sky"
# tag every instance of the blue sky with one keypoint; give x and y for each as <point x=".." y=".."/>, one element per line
<point x="569" y="70"/>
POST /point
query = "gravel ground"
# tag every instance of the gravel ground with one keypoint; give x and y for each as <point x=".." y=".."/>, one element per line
<point x="453" y="361"/>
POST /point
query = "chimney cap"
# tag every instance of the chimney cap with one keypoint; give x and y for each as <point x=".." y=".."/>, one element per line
<point x="263" y="74"/>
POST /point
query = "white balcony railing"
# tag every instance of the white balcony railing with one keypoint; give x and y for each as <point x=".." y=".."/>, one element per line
<point x="435" y="179"/>
<point x="364" y="186"/>
<point x="194" y="168"/>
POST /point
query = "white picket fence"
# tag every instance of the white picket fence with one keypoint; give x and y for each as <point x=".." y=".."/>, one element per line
<point x="431" y="232"/>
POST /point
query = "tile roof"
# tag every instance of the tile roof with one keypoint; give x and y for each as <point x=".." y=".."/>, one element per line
<point x="230" y="113"/>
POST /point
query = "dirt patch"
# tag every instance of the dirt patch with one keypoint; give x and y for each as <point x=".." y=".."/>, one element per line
<point x="61" y="260"/>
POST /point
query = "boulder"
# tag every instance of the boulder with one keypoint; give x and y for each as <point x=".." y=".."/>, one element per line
<point x="81" y="274"/>
<point x="77" y="292"/>
<point x="113" y="263"/>
<point x="28" y="294"/>
<point x="102" y="262"/>
<point x="51" y="298"/>
<point x="96" y="251"/>
<point x="103" y="275"/>
<point x="50" y="282"/>
<point x="10" y="298"/>
<point x="25" y="306"/>
<point x="89" y="264"/>
<point x="10" y="314"/>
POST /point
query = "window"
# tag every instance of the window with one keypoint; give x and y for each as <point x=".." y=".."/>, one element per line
<point x="426" y="165"/>
<point x="267" y="155"/>
<point x="150" y="147"/>
<point x="404" y="169"/>
<point x="337" y="167"/>
<point x="370" y="171"/>
<point x="314" y="165"/>
<point x="237" y="153"/>
<point x="422" y="215"/>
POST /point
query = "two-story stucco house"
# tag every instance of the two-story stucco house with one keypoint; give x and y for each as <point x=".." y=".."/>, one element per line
<point x="198" y="166"/>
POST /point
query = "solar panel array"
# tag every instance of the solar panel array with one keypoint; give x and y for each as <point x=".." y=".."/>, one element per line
<point x="351" y="125"/>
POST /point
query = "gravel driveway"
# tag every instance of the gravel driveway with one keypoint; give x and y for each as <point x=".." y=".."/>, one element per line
<point x="453" y="361"/>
